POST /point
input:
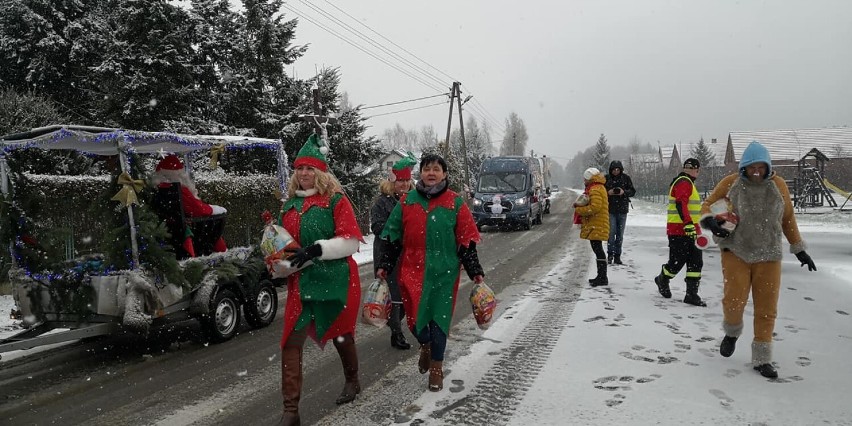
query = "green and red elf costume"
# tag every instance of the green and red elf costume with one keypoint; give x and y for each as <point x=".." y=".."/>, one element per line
<point x="437" y="234"/>
<point x="324" y="297"/>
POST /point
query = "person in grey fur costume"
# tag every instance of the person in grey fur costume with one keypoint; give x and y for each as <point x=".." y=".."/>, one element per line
<point x="751" y="252"/>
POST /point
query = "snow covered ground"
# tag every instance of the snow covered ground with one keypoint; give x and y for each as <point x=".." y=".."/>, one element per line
<point x="625" y="354"/>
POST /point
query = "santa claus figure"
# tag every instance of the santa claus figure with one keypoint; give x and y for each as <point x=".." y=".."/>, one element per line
<point x="171" y="171"/>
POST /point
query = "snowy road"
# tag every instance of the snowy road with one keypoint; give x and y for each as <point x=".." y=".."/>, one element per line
<point x="119" y="381"/>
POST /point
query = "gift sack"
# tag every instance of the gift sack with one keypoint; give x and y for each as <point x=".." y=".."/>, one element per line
<point x="377" y="304"/>
<point x="484" y="303"/>
<point x="276" y="244"/>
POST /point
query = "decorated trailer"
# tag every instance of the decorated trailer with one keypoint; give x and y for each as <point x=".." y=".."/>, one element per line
<point x="142" y="277"/>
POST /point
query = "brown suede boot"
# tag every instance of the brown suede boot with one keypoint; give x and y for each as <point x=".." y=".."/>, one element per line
<point x="291" y="383"/>
<point x="425" y="358"/>
<point x="349" y="358"/>
<point x="436" y="376"/>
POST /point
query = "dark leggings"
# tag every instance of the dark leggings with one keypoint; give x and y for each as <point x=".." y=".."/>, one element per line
<point x="433" y="335"/>
<point x="597" y="247"/>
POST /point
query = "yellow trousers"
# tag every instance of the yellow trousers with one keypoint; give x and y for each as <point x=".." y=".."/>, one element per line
<point x="763" y="279"/>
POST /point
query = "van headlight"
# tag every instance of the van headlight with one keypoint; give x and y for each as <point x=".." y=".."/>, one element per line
<point x="477" y="202"/>
<point x="521" y="201"/>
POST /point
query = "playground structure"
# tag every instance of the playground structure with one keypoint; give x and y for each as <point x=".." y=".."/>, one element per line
<point x="809" y="186"/>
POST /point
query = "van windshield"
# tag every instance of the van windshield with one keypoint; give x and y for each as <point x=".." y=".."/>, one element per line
<point x="502" y="182"/>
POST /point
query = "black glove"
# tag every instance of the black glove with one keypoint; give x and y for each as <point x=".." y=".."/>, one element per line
<point x="709" y="223"/>
<point x="469" y="259"/>
<point x="304" y="254"/>
<point x="806" y="260"/>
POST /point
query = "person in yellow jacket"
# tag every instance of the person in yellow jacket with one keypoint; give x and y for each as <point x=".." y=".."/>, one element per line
<point x="751" y="252"/>
<point x="594" y="219"/>
<point x="683" y="211"/>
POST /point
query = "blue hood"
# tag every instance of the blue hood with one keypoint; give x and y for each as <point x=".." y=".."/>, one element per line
<point x="755" y="153"/>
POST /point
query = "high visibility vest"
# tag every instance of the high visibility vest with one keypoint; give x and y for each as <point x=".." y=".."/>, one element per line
<point x="694" y="206"/>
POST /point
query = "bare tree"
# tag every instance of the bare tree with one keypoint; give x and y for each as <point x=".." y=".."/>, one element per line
<point x="515" y="137"/>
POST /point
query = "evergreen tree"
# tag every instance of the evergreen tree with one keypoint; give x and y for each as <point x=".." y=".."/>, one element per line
<point x="514" y="137"/>
<point x="454" y="161"/>
<point x="26" y="110"/>
<point x="478" y="147"/>
<point x="702" y="152"/>
<point x="41" y="48"/>
<point x="143" y="70"/>
<point x="600" y="158"/>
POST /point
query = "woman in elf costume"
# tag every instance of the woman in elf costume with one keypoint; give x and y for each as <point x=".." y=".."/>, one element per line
<point x="391" y="189"/>
<point x="431" y="231"/>
<point x="323" y="298"/>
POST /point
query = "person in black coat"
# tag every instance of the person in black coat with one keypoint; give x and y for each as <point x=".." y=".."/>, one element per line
<point x="391" y="189"/>
<point x="619" y="188"/>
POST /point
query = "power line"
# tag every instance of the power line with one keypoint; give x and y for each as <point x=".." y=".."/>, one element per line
<point x="391" y="42"/>
<point x="402" y="102"/>
<point x="477" y="108"/>
<point x="404" y="110"/>
<point x="368" y="39"/>
<point x="313" y="21"/>
<point x="481" y="105"/>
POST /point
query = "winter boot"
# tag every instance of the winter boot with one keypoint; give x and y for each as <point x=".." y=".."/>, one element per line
<point x="609" y="259"/>
<point x="617" y="260"/>
<point x="729" y="342"/>
<point x="349" y="358"/>
<point x="425" y="358"/>
<point x="395" y="324"/>
<point x="291" y="383"/>
<point x="728" y="345"/>
<point x="692" y="296"/>
<point x="662" y="282"/>
<point x="436" y="376"/>
<point x="761" y="359"/>
<point x="601" y="278"/>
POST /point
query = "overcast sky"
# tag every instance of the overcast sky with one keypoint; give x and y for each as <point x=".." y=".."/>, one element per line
<point x="664" y="71"/>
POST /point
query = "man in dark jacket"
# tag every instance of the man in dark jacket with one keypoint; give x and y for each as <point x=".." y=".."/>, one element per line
<point x="619" y="188"/>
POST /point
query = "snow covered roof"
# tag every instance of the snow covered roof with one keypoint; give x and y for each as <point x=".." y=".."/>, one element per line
<point x="105" y="141"/>
<point x="793" y="144"/>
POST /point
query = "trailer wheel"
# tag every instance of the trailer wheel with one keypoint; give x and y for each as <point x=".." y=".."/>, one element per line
<point x="223" y="321"/>
<point x="260" y="312"/>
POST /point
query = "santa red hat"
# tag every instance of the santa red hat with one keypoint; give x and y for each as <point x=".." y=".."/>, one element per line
<point x="171" y="162"/>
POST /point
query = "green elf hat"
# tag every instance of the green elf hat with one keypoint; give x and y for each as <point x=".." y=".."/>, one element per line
<point x="312" y="154"/>
<point x="401" y="170"/>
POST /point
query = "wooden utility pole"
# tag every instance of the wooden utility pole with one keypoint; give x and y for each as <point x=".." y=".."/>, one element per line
<point x="465" y="186"/>
<point x="446" y="149"/>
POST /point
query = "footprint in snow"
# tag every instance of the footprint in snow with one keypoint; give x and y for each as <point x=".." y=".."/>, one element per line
<point x="592" y="319"/>
<point x="790" y="379"/>
<point x="803" y="361"/>
<point x="842" y="312"/>
<point x="707" y="352"/>
<point x="457" y="386"/>
<point x="809" y="299"/>
<point x="615" y="401"/>
<point x="724" y="399"/>
<point x="732" y="372"/>
<point x="620" y="383"/>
